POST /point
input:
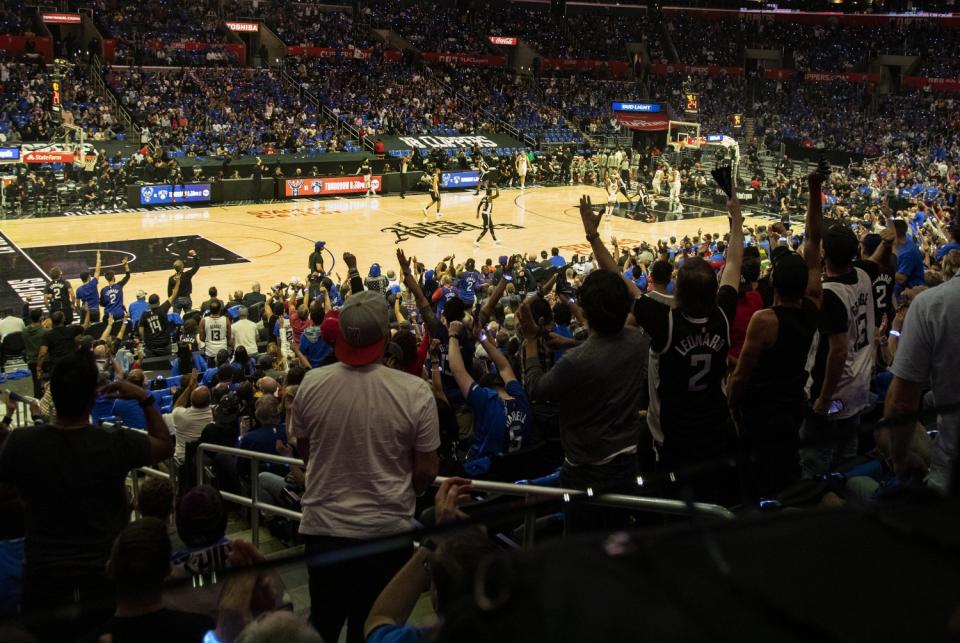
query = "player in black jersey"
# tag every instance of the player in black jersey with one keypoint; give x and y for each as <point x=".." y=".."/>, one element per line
<point x="58" y="295"/>
<point x="485" y="207"/>
<point x="693" y="340"/>
<point x="153" y="327"/>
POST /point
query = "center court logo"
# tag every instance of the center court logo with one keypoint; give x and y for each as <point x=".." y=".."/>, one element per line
<point x="438" y="229"/>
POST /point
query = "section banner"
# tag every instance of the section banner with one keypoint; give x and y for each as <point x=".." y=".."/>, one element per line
<point x="479" y="60"/>
<point x="313" y="186"/>
<point x="661" y="69"/>
<point x="509" y="41"/>
<point x="830" y="76"/>
<point x="618" y="67"/>
<point x="306" y="51"/>
<point x="936" y="84"/>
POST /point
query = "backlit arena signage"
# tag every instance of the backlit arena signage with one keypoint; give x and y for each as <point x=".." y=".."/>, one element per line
<point x="9" y="153"/>
<point x="464" y="179"/>
<point x="249" y="27"/>
<point x="509" y="41"/>
<point x="309" y="186"/>
<point x="167" y="194"/>
<point x="442" y="142"/>
<point x="62" y="18"/>
<point x="636" y="107"/>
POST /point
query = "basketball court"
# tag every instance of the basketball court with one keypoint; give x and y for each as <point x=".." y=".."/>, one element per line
<point x="242" y="244"/>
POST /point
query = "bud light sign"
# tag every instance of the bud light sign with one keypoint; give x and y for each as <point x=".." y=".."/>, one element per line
<point x="650" y="108"/>
<point x="167" y="194"/>
<point x="454" y="180"/>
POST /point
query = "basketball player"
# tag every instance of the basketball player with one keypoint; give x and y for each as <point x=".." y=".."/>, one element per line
<point x="656" y="186"/>
<point x="485" y="208"/>
<point x="611" y="186"/>
<point x="675" y="184"/>
<point x="367" y="177"/>
<point x="693" y="340"/>
<point x="58" y="295"/>
<point x="434" y="192"/>
<point x="522" y="165"/>
<point x="215" y="331"/>
<point x="111" y="296"/>
<point x="484" y="172"/>
<point x="405" y="162"/>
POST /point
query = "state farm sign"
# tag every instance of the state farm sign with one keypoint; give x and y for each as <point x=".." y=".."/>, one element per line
<point x="509" y="41"/>
<point x="55" y="156"/>
<point x="243" y="26"/>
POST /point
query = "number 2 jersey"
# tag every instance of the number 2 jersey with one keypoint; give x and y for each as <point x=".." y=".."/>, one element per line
<point x="692" y="364"/>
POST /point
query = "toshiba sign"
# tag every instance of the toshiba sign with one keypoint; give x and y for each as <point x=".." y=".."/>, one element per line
<point x="55" y="156"/>
<point x="510" y="41"/>
<point x="243" y="26"/>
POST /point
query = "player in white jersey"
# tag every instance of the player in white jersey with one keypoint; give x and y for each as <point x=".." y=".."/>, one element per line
<point x="656" y="185"/>
<point x="675" y="185"/>
<point x="522" y="165"/>
<point x="612" y="187"/>
<point x="215" y="332"/>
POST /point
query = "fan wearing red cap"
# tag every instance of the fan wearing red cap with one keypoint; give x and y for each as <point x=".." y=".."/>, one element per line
<point x="369" y="435"/>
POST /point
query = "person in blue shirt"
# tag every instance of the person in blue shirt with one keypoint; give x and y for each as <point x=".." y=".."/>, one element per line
<point x="555" y="259"/>
<point x="469" y="281"/>
<point x="447" y="565"/>
<point x="502" y="418"/>
<point x="909" y="260"/>
<point x="111" y="297"/>
<point x="138" y="307"/>
<point x="263" y="439"/>
<point x="129" y="413"/>
<point x="313" y="347"/>
<point x="88" y="293"/>
<point x="941" y="251"/>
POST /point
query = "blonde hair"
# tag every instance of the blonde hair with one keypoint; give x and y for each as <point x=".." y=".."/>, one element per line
<point x="951" y="264"/>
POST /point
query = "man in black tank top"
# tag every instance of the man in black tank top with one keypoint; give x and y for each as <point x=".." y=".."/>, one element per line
<point x="766" y="390"/>
<point x="693" y="340"/>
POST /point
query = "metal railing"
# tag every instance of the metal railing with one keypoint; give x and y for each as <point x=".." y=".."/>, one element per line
<point x="340" y="125"/>
<point x="119" y="111"/>
<point x="614" y="500"/>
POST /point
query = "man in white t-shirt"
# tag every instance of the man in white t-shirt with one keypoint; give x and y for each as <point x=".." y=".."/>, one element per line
<point x="928" y="354"/>
<point x="9" y="323"/>
<point x="188" y="421"/>
<point x="369" y="435"/>
<point x="244" y="332"/>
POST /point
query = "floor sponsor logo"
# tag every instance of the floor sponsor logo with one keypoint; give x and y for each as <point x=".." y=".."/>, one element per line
<point x="439" y="229"/>
<point x="22" y="281"/>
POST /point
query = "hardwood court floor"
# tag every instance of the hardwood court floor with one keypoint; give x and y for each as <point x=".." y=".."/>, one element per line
<point x="269" y="243"/>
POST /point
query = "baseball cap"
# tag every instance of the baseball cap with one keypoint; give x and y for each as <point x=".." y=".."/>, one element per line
<point x="141" y="294"/>
<point x="330" y="327"/>
<point x="364" y="322"/>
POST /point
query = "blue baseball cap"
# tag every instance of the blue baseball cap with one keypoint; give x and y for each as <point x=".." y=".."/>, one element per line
<point x="375" y="270"/>
<point x="319" y="245"/>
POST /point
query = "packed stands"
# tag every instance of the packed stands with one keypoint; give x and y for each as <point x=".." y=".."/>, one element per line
<point x="305" y="24"/>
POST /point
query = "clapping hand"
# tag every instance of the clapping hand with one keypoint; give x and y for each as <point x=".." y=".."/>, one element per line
<point x="446" y="504"/>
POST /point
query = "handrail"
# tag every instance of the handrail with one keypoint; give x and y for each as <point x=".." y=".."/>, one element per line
<point x="641" y="503"/>
<point x="96" y="69"/>
<point x="339" y="124"/>
<point x="620" y="501"/>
